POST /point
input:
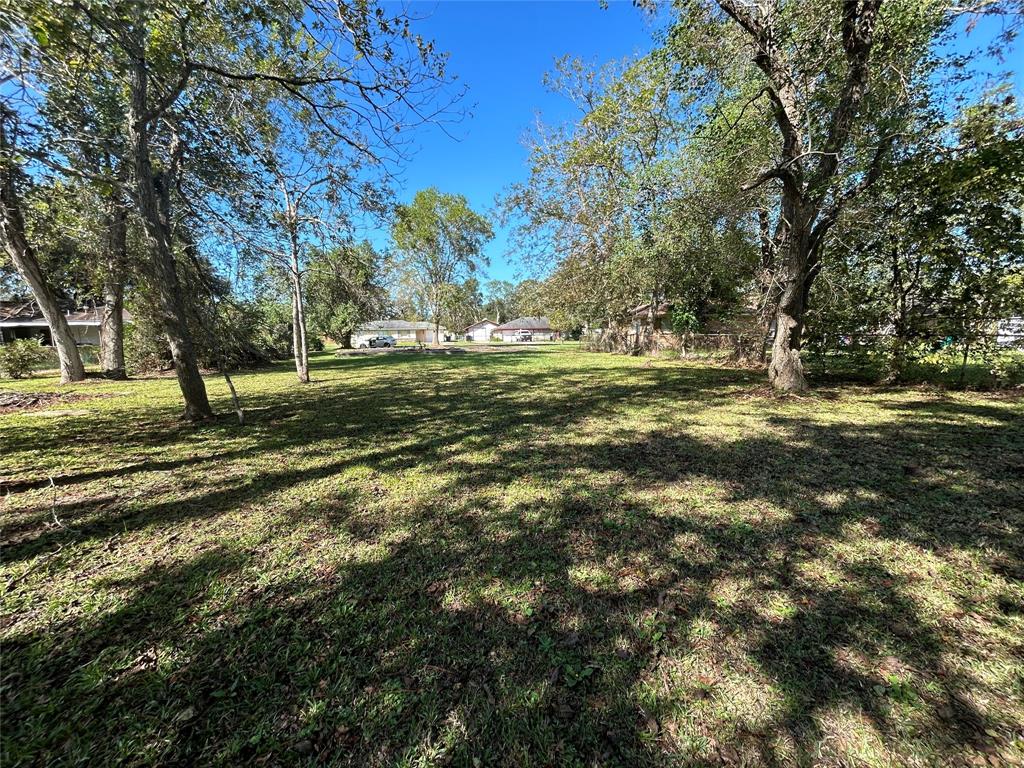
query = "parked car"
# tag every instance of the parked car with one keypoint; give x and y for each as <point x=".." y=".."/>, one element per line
<point x="523" y="336"/>
<point x="380" y="341"/>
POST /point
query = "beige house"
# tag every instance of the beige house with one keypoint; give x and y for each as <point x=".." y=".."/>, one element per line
<point x="404" y="331"/>
<point x="532" y="328"/>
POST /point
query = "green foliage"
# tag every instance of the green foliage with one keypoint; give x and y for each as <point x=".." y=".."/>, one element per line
<point x="932" y="259"/>
<point x="274" y="327"/>
<point x="1007" y="368"/>
<point x="20" y="357"/>
<point x="500" y="302"/>
<point x="344" y="288"/>
<point x="684" y="320"/>
<point x="440" y="240"/>
<point x="461" y="304"/>
<point x="145" y="347"/>
<point x="632" y="212"/>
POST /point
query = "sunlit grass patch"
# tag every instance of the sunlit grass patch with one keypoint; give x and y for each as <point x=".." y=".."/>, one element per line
<point x="525" y="558"/>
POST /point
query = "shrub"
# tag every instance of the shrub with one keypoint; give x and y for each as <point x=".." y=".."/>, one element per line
<point x="1008" y="369"/>
<point x="684" y="320"/>
<point x="19" y="357"/>
<point x="145" y="349"/>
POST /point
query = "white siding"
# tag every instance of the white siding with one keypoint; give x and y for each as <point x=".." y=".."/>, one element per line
<point x="86" y="334"/>
<point x="482" y="333"/>
<point x="402" y="336"/>
<point x="1010" y="331"/>
<point x="537" y="335"/>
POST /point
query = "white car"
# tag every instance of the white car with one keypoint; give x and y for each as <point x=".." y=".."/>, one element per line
<point x="380" y="341"/>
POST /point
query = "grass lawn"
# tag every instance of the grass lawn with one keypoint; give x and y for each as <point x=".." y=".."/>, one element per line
<point x="532" y="557"/>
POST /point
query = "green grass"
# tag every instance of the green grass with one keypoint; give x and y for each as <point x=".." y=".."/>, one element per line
<point x="523" y="558"/>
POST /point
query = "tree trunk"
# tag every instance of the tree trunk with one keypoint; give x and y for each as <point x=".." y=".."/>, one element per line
<point x="170" y="305"/>
<point x="299" y="345"/>
<point x="652" y="313"/>
<point x="766" y="282"/>
<point x="12" y="229"/>
<point x="299" y="330"/>
<point x="786" y="371"/>
<point x="806" y="196"/>
<point x="437" y="331"/>
<point x="112" y="322"/>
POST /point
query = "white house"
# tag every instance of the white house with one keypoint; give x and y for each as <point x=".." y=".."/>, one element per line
<point x="405" y="331"/>
<point x="1010" y="332"/>
<point x="536" y="328"/>
<point x="480" y="330"/>
<point x="23" y="320"/>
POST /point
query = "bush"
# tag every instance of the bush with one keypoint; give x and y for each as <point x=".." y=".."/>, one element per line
<point x="19" y="357"/>
<point x="145" y="349"/>
<point x="1007" y="369"/>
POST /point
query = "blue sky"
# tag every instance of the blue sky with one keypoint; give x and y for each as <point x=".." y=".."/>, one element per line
<point x="501" y="51"/>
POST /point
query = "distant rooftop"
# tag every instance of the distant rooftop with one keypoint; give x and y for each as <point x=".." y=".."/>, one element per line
<point x="526" y="324"/>
<point x="396" y="325"/>
<point x="27" y="313"/>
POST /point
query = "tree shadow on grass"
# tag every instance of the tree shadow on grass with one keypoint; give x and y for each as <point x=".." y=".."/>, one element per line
<point x="400" y="417"/>
<point x="664" y="598"/>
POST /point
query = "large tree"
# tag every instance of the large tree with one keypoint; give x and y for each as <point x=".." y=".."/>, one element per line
<point x="187" y="74"/>
<point x="344" y="289"/>
<point x="633" y="210"/>
<point x="441" y="241"/>
<point x="23" y="255"/>
<point x="836" y="118"/>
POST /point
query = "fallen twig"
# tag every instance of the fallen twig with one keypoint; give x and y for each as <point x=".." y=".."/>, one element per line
<point x="234" y="399"/>
<point x="53" y="504"/>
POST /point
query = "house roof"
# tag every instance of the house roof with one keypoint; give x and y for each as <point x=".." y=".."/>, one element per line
<point x="659" y="311"/>
<point x="26" y="313"/>
<point x="526" y="324"/>
<point x="20" y="309"/>
<point x="480" y="323"/>
<point x="396" y="325"/>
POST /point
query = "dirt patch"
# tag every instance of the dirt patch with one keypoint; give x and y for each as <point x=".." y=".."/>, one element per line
<point x="16" y="402"/>
<point x="448" y="350"/>
<point x="402" y="351"/>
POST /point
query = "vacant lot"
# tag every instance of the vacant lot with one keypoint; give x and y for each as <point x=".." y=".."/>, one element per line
<point x="522" y="558"/>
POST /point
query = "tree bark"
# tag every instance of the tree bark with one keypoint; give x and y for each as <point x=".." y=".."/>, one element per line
<point x="170" y="304"/>
<point x="12" y="229"/>
<point x="808" y="206"/>
<point x="112" y="321"/>
<point x="786" y="370"/>
<point x="299" y="345"/>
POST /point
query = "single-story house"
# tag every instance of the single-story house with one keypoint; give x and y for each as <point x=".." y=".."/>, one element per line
<point x="744" y="322"/>
<point x="1010" y="332"/>
<point x="408" y="331"/>
<point x="660" y="315"/>
<point x="24" y="320"/>
<point x="539" y="328"/>
<point x="480" y="330"/>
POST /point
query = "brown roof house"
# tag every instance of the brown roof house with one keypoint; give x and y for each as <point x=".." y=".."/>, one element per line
<point x="526" y="329"/>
